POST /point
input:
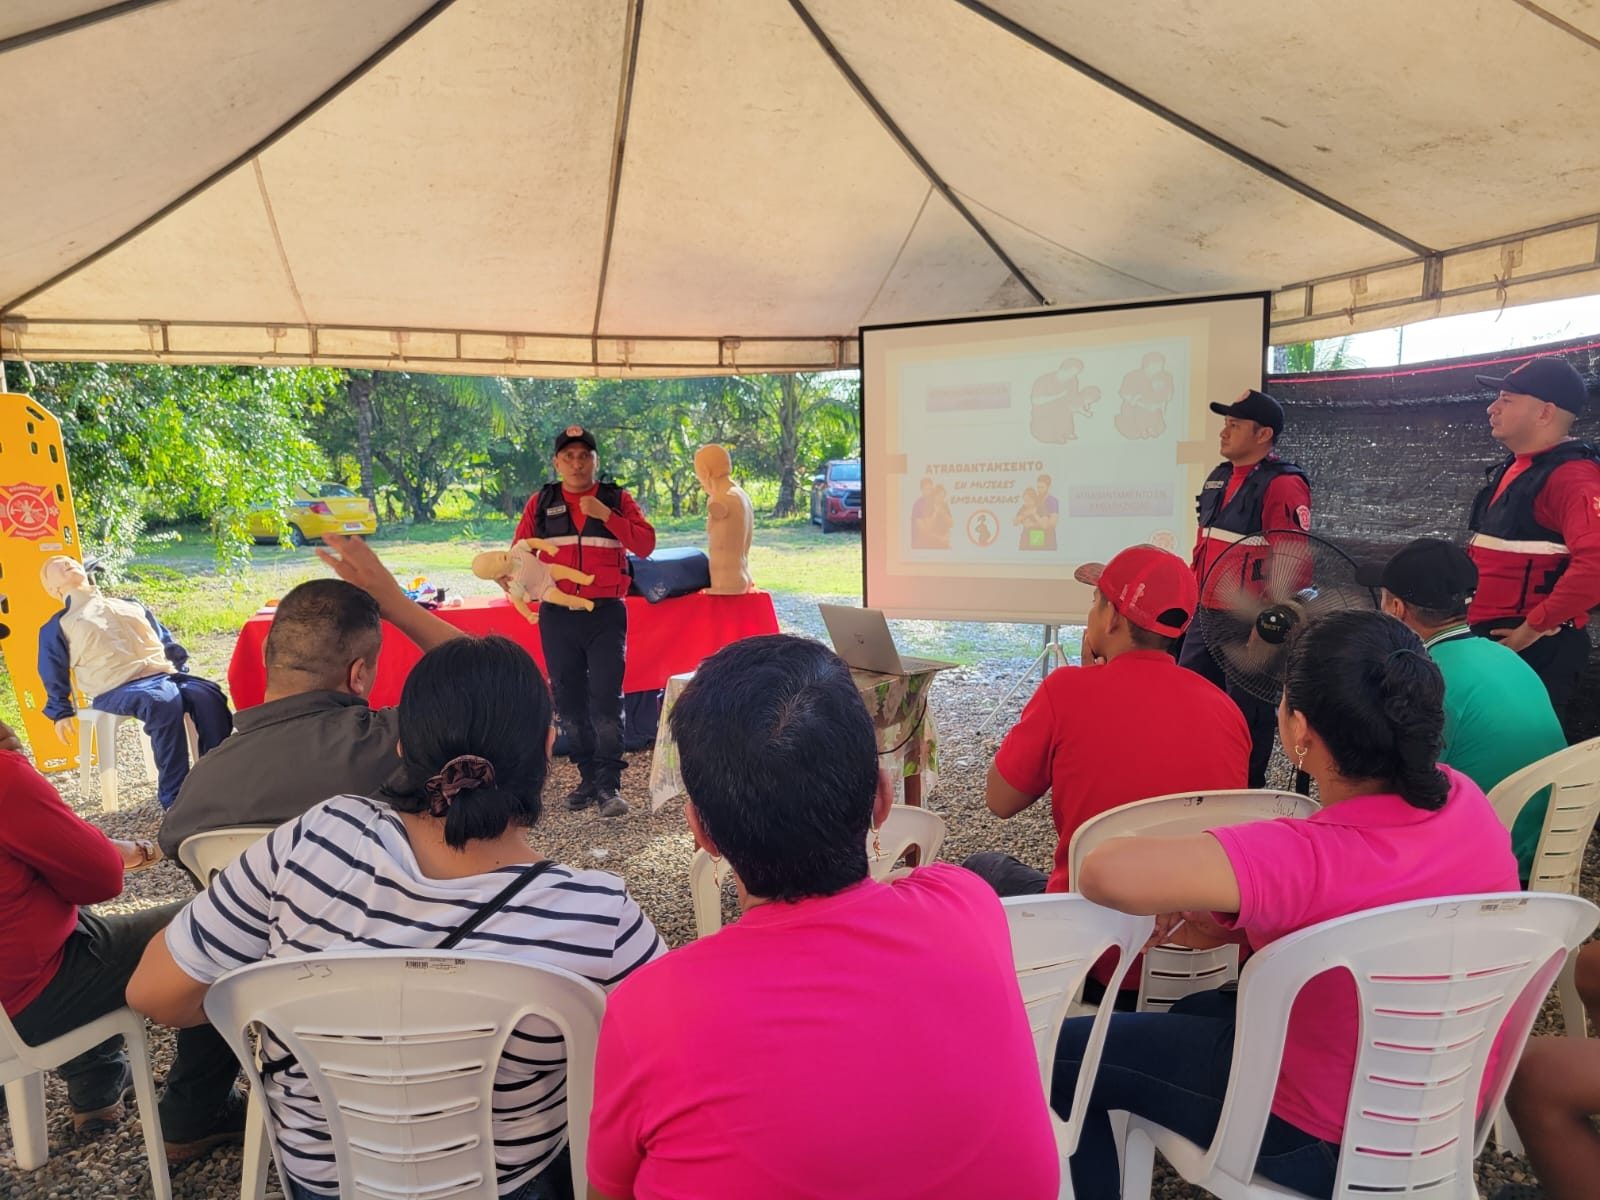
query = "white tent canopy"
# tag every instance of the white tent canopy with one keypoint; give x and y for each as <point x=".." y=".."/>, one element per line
<point x="572" y="187"/>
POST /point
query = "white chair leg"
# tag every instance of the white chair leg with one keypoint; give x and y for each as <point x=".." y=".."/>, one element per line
<point x="1138" y="1166"/>
<point x="1573" y="1014"/>
<point x="144" y="1091"/>
<point x="257" y="1150"/>
<point x="86" y="764"/>
<point x="146" y="745"/>
<point x="29" y="1137"/>
<point x="1505" y="1134"/>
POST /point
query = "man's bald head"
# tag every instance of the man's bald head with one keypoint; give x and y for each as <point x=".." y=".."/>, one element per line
<point x="319" y="632"/>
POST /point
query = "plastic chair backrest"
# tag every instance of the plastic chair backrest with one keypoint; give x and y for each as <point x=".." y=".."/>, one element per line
<point x="1436" y="981"/>
<point x="1183" y="814"/>
<point x="401" y="1047"/>
<point x="1055" y="940"/>
<point x="1573" y="777"/>
<point x="1170" y="973"/>
<point x="204" y="854"/>
<point x="905" y="827"/>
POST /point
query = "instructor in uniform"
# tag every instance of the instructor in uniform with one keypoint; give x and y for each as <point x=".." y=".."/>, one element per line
<point x="1253" y="491"/>
<point x="1536" y="526"/>
<point x="594" y="526"/>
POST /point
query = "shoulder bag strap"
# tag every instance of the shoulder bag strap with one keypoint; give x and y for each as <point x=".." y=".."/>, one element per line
<point x="490" y="907"/>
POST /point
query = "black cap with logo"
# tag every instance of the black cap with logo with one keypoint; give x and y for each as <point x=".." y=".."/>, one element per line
<point x="1254" y="406"/>
<point x="1430" y="573"/>
<point x="1553" y="380"/>
<point x="573" y="433"/>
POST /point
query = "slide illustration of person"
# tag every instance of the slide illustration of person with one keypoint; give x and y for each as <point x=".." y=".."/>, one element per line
<point x="1145" y="395"/>
<point x="982" y="528"/>
<point x="1058" y="401"/>
<point x="931" y="519"/>
<point x="1038" y="526"/>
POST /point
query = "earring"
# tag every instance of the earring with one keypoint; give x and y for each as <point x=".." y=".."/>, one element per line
<point x="877" y="846"/>
<point x="1300" y="758"/>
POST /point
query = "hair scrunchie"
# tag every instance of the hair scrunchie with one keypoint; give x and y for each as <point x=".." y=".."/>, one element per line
<point x="462" y="773"/>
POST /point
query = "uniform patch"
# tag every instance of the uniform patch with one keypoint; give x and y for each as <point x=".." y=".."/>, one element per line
<point x="1303" y="516"/>
<point x="1596" y="501"/>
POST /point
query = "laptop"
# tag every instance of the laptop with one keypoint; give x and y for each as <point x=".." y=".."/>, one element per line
<point x="861" y="637"/>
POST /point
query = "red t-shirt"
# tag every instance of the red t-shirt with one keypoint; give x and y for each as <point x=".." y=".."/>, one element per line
<point x="51" y="861"/>
<point x="1101" y="737"/>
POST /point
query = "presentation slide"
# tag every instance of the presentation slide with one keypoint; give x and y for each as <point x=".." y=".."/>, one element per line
<point x="1000" y="453"/>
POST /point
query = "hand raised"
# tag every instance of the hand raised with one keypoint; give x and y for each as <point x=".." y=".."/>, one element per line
<point x="592" y="507"/>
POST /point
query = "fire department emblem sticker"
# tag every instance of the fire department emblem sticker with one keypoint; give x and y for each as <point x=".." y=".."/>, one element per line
<point x="1303" y="515"/>
<point x="29" y="510"/>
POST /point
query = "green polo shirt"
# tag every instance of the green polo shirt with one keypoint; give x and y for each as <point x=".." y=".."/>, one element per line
<point x="1497" y="720"/>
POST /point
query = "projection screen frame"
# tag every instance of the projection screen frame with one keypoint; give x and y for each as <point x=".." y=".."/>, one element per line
<point x="1074" y="597"/>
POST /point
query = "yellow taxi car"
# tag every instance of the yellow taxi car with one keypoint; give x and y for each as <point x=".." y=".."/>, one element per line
<point x="322" y="508"/>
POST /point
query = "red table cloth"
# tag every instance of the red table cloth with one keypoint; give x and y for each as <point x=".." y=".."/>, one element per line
<point x="664" y="639"/>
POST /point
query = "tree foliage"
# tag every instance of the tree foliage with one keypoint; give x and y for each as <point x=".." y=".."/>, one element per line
<point x="180" y="442"/>
<point x="215" y="443"/>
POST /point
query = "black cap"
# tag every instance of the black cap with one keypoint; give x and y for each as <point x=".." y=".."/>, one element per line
<point x="1254" y="406"/>
<point x="1553" y="380"/>
<point x="573" y="433"/>
<point x="1430" y="572"/>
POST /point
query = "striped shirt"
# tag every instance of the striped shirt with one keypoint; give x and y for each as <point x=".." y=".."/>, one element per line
<point x="343" y="875"/>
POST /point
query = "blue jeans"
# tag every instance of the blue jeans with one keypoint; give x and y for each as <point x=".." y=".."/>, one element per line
<point x="161" y="702"/>
<point x="1172" y="1068"/>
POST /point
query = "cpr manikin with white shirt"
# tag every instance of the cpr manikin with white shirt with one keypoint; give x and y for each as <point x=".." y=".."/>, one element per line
<point x="126" y="661"/>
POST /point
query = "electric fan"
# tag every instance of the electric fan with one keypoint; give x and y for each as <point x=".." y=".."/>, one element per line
<point x="1259" y="590"/>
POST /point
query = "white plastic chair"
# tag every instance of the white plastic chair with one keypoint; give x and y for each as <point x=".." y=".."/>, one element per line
<point x="21" y="1071"/>
<point x="906" y="828"/>
<point x="97" y="753"/>
<point x="205" y="854"/>
<point x="1436" y="981"/>
<point x="401" y="1047"/>
<point x="1055" y="940"/>
<point x="1172" y="972"/>
<point x="1573" y="777"/>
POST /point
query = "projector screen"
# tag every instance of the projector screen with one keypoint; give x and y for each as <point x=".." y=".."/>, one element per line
<point x="1003" y="452"/>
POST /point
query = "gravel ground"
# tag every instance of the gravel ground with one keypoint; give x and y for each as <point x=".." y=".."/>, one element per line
<point x="651" y="852"/>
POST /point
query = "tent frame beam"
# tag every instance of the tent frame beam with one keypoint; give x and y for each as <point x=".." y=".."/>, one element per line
<point x="72" y="24"/>
<point x="295" y="120"/>
<point x="619" y="145"/>
<point x="1178" y="121"/>
<point x="864" y="94"/>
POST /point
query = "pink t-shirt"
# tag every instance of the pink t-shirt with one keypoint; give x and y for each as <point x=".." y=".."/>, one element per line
<point x="871" y="1043"/>
<point x="1363" y="853"/>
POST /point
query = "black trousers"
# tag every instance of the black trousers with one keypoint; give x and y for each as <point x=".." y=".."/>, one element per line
<point x="96" y="964"/>
<point x="1559" y="660"/>
<point x="1261" y="717"/>
<point x="584" y="653"/>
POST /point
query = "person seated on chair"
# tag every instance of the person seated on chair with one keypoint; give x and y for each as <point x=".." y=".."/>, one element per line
<point x="1363" y="714"/>
<point x="116" y="652"/>
<point x="406" y="870"/>
<point x="1125" y="726"/>
<point x="725" y="1068"/>
<point x="1554" y="1098"/>
<point x="62" y="966"/>
<point x="313" y="735"/>
<point x="1497" y="713"/>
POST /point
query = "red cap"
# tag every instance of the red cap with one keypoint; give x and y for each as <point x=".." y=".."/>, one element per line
<point x="1151" y="587"/>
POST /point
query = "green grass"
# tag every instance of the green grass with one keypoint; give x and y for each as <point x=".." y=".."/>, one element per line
<point x="176" y="575"/>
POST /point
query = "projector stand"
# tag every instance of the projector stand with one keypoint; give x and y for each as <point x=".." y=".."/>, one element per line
<point x="1047" y="660"/>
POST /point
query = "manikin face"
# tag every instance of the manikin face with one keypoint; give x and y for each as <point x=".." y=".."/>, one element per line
<point x="62" y="575"/>
<point x="1516" y="419"/>
<point x="1242" y="439"/>
<point x="576" y="464"/>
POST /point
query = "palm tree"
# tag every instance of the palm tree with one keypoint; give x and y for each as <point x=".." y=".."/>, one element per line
<point x="1300" y="358"/>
